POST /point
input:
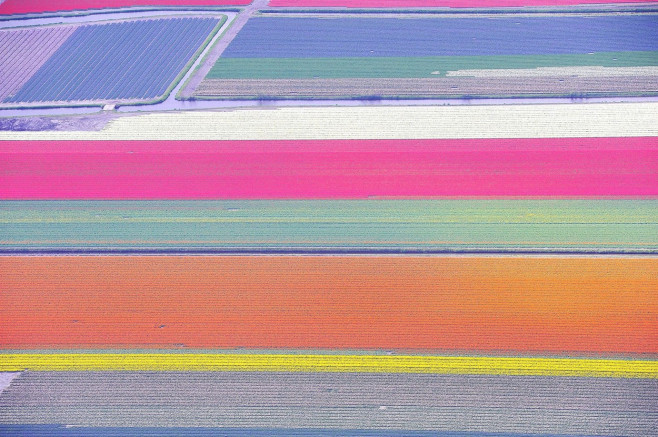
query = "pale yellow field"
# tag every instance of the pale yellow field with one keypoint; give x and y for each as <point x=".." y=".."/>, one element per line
<point x="558" y="72"/>
<point x="376" y="122"/>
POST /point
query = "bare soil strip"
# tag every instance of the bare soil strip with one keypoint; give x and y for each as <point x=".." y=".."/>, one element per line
<point x="439" y="87"/>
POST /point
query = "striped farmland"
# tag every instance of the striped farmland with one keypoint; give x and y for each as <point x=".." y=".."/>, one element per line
<point x="443" y="36"/>
<point x="548" y="226"/>
<point x="328" y="345"/>
<point x="438" y="57"/>
<point x="23" y="52"/>
<point x="569" y="167"/>
<point x="138" y="65"/>
<point x="344" y="271"/>
<point x="555" y="306"/>
<point x="326" y="404"/>
<point x="11" y="7"/>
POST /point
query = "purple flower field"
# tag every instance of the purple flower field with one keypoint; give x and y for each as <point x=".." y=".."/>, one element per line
<point x="23" y="52"/>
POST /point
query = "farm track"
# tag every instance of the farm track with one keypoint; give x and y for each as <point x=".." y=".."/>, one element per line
<point x="216" y="50"/>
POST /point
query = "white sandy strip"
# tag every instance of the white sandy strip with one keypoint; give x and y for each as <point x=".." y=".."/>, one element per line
<point x="7" y="377"/>
<point x="381" y="122"/>
<point x="558" y="72"/>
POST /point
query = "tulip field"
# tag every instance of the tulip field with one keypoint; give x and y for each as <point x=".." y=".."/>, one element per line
<point x="91" y="64"/>
<point x="328" y="218"/>
<point x="292" y="57"/>
<point x="10" y="7"/>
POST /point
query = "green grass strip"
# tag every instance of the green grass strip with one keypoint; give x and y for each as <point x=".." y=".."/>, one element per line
<point x="595" y="224"/>
<point x="419" y="67"/>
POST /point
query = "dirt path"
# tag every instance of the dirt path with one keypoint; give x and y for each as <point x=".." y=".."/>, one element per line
<point x="221" y="45"/>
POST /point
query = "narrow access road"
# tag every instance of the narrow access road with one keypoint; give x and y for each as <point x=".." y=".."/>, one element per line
<point x="216" y="51"/>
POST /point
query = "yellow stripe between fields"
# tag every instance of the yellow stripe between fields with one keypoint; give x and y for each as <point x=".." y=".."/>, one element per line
<point x="618" y="368"/>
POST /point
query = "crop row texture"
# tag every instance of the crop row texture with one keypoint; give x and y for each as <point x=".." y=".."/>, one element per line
<point x="291" y="37"/>
<point x="10" y="7"/>
<point x="23" y="52"/>
<point x="126" y="60"/>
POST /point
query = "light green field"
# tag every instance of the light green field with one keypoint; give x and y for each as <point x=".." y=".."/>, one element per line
<point x="509" y="225"/>
<point x="323" y="68"/>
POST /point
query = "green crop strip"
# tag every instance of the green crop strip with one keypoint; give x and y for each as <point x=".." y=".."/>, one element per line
<point x="419" y="67"/>
<point x="575" y="224"/>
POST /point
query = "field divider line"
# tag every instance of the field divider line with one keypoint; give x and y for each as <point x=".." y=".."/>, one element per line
<point x="223" y="362"/>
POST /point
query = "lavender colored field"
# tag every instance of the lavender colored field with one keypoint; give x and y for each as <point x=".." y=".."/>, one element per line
<point x="262" y="403"/>
<point x="23" y="52"/>
<point x="438" y="57"/>
<point x="124" y="61"/>
<point x="294" y="37"/>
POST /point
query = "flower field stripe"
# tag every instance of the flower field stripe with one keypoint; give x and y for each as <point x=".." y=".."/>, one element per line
<point x="330" y="169"/>
<point x="325" y="404"/>
<point x="401" y="67"/>
<point x="313" y="37"/>
<point x="10" y="7"/>
<point x="330" y="226"/>
<point x="279" y="57"/>
<point x="139" y="65"/>
<point x="23" y="52"/>
<point x="394" y="223"/>
<point x="458" y="85"/>
<point x="555" y="305"/>
<point x="625" y="368"/>
<point x="415" y="122"/>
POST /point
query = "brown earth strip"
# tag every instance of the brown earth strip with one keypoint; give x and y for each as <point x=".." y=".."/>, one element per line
<point x="432" y="87"/>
